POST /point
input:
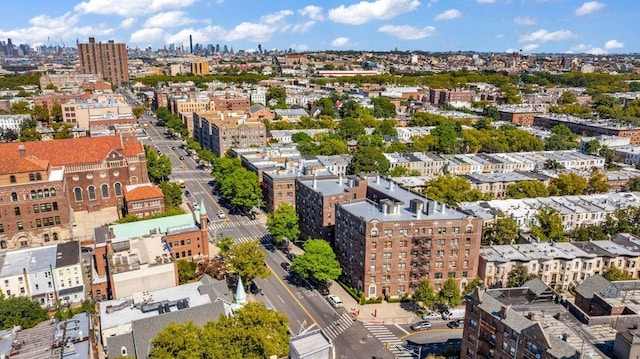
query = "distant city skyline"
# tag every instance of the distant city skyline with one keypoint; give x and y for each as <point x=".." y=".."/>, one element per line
<point x="530" y="26"/>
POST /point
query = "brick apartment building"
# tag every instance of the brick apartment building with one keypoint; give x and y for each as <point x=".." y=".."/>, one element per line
<point x="96" y="169"/>
<point x="316" y="201"/>
<point x="386" y="238"/>
<point x="109" y="60"/>
<point x="221" y="131"/>
<point x="47" y="101"/>
<point x="519" y="115"/>
<point x="442" y="96"/>
<point x="590" y="127"/>
<point x="33" y="203"/>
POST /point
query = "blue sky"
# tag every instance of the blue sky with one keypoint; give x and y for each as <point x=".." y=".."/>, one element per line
<point x="598" y="27"/>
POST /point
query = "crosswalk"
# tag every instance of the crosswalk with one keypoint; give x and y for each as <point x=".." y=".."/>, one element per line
<point x="385" y="336"/>
<point x="230" y="224"/>
<point x="339" y="326"/>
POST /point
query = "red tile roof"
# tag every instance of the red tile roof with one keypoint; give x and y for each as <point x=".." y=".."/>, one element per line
<point x="22" y="165"/>
<point x="71" y="151"/>
<point x="143" y="192"/>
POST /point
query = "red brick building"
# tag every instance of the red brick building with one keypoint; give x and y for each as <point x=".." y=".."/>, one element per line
<point x="143" y="200"/>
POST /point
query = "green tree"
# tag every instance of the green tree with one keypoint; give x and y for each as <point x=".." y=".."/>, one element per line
<point x="504" y="230"/>
<point x="332" y="146"/>
<point x="20" y="311"/>
<point x="20" y="107"/>
<point x="350" y="128"/>
<point x="451" y="190"/>
<point x="242" y="188"/>
<point x="567" y="98"/>
<point x="254" y="332"/>
<point x="318" y="261"/>
<point x="450" y="293"/>
<point x="549" y="225"/>
<point x="425" y="294"/>
<point x="247" y="260"/>
<point x="283" y="223"/>
<point x="471" y="286"/>
<point x="225" y="245"/>
<point x="614" y="273"/>
<point x="446" y="135"/>
<point x="527" y="189"/>
<point x="387" y="128"/>
<point x="278" y="94"/>
<point x="561" y="139"/>
<point x="350" y="109"/>
<point x="301" y="137"/>
<point x="182" y="341"/>
<point x="40" y="113"/>
<point x="138" y="111"/>
<point x="30" y="134"/>
<point x="172" y="194"/>
<point x="368" y="159"/>
<point x="634" y="184"/>
<point x="568" y="184"/>
<point x="61" y="130"/>
<point x="518" y="276"/>
<point x="424" y="143"/>
<point x="158" y="167"/>
<point x="327" y="105"/>
<point x="186" y="271"/>
<point x="598" y="182"/>
<point x="588" y="233"/>
<point x="398" y="171"/>
<point x="592" y="147"/>
<point x="383" y="108"/>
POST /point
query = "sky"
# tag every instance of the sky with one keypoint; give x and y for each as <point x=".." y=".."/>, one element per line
<point x="533" y="26"/>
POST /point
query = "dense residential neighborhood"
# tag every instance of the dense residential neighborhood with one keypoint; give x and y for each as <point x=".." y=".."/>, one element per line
<point x="187" y="202"/>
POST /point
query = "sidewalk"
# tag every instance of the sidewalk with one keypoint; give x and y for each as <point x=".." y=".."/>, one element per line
<point x="381" y="313"/>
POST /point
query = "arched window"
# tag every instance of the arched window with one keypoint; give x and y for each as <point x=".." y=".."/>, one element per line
<point x="55" y="236"/>
<point x="77" y="192"/>
<point x="118" y="188"/>
<point x="38" y="176"/>
<point x="123" y="351"/>
<point x="12" y="179"/>
<point x="46" y="193"/>
<point x="105" y="190"/>
<point x="40" y="194"/>
<point x="34" y="195"/>
<point x="32" y="177"/>
<point x="3" y="244"/>
<point x="53" y="192"/>
<point x="14" y="196"/>
<point x="92" y="192"/>
<point x="46" y="237"/>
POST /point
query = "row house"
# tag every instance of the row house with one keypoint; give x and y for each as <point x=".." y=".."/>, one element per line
<point x="48" y="274"/>
<point x="496" y="184"/>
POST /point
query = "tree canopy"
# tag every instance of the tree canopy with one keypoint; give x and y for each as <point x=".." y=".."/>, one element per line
<point x="425" y="294"/>
<point x="614" y="273"/>
<point x="318" y="261"/>
<point x="450" y="293"/>
<point x="283" y="223"/>
<point x="504" y="230"/>
<point x="368" y="159"/>
<point x="549" y="225"/>
<point x="247" y="260"/>
<point x="237" y="184"/>
<point x="158" y="166"/>
<point x="20" y="311"/>
<point x="518" y="276"/>
<point x="527" y="189"/>
<point x="451" y="190"/>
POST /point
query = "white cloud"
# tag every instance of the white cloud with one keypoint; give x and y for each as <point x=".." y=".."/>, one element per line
<point x="302" y="27"/>
<point x="312" y="12"/>
<point x="147" y="36"/>
<point x="168" y="19"/>
<point x="499" y="36"/>
<point x="407" y="32"/>
<point x="299" y="47"/>
<point x="448" y="15"/>
<point x="365" y="11"/>
<point x="588" y="8"/>
<point x="340" y="41"/>
<point x="129" y="7"/>
<point x="486" y="1"/>
<point x="543" y="35"/>
<point x="45" y="29"/>
<point x="613" y="44"/>
<point x="530" y="47"/>
<point x="579" y="48"/>
<point x="128" y="22"/>
<point x="595" y="51"/>
<point x="525" y="21"/>
<point x="275" y="17"/>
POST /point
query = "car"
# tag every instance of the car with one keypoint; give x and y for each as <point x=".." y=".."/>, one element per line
<point x="187" y="193"/>
<point x="455" y="323"/>
<point x="181" y="158"/>
<point x="323" y="289"/>
<point x="286" y="266"/>
<point x="334" y="300"/>
<point x="253" y="288"/>
<point x="221" y="214"/>
<point x="173" y="147"/>
<point x="86" y="249"/>
<point x="195" y="205"/>
<point x="421" y="325"/>
<point x="431" y="315"/>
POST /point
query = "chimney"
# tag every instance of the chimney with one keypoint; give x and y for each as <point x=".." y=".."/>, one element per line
<point x="390" y="185"/>
<point x="22" y="151"/>
<point x="378" y="179"/>
<point x="340" y="180"/>
<point x="384" y="207"/>
<point x="443" y="208"/>
<point x="111" y="234"/>
<point x="565" y="336"/>
<point x="315" y="182"/>
<point x="504" y="310"/>
<point x="351" y="181"/>
<point x="431" y="207"/>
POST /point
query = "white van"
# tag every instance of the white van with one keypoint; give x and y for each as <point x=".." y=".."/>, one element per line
<point x="334" y="300"/>
<point x="453" y="314"/>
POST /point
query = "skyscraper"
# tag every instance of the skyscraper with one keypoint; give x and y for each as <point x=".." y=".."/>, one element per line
<point x="190" y="44"/>
<point x="108" y="60"/>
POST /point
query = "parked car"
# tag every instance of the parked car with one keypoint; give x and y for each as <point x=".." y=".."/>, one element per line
<point x="431" y="315"/>
<point x="334" y="300"/>
<point x="291" y="256"/>
<point x="421" y="325"/>
<point x="323" y="289"/>
<point x="181" y="158"/>
<point x="286" y="266"/>
<point x="221" y="214"/>
<point x="455" y="323"/>
<point x="187" y="193"/>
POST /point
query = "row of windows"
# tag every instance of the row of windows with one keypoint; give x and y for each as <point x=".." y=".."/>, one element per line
<point x="32" y="177"/>
<point x="425" y="231"/>
<point x="45" y="193"/>
<point x="91" y="191"/>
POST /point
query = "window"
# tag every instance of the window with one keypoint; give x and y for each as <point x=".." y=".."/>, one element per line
<point x="55" y="236"/>
<point x="3" y="244"/>
<point x="123" y="351"/>
<point x="77" y="193"/>
<point x="46" y="237"/>
<point x="105" y="190"/>
<point x="386" y="255"/>
<point x="464" y="274"/>
<point x="92" y="192"/>
<point x="55" y="206"/>
<point x="372" y="268"/>
<point x="46" y="193"/>
<point x="12" y="179"/>
<point x="32" y="177"/>
<point x="36" y="208"/>
<point x="438" y="276"/>
<point x="401" y="289"/>
<point x="14" y="196"/>
<point x="52" y="192"/>
<point x="386" y="267"/>
<point x="16" y="211"/>
<point x="402" y="255"/>
<point x="401" y="277"/>
<point x="20" y="226"/>
<point x="117" y="188"/>
<point x="386" y="278"/>
<point x="38" y="177"/>
<point x="451" y="275"/>
<point x="373" y="256"/>
<point x="34" y="195"/>
<point x="402" y="266"/>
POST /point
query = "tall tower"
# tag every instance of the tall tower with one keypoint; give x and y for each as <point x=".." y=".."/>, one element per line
<point x="108" y="60"/>
<point x="190" y="44"/>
